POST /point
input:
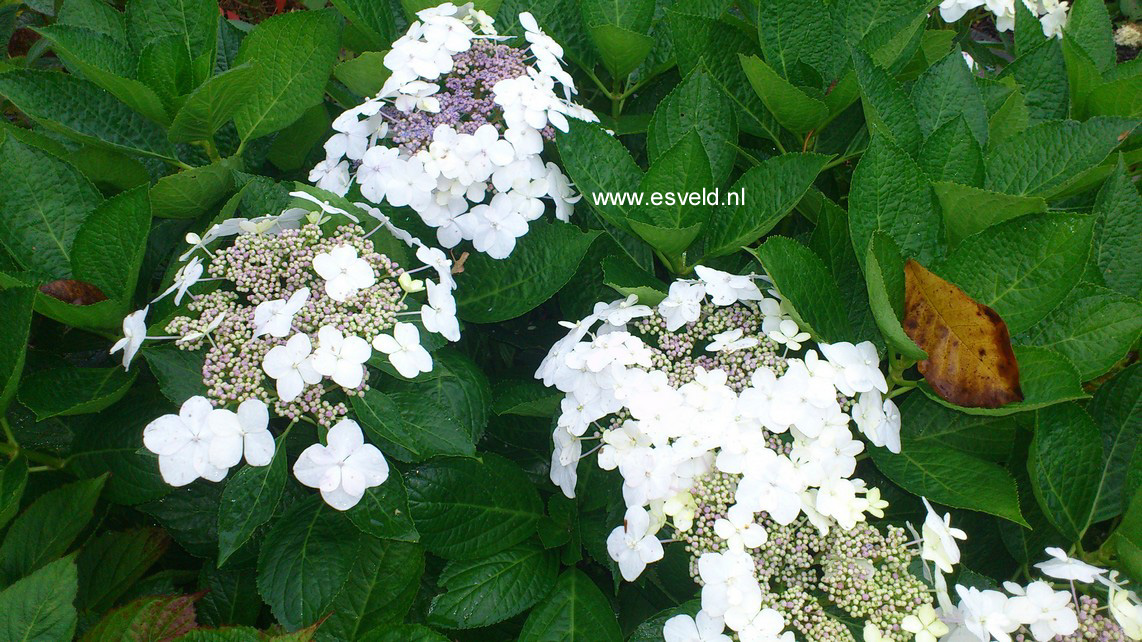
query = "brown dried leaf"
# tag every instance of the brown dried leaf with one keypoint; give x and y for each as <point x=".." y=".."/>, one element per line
<point x="73" y="292"/>
<point x="970" y="361"/>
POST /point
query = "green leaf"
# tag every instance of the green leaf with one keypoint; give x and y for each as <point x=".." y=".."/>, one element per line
<point x="805" y="282"/>
<point x="1021" y="268"/>
<point x="796" y="110"/>
<point x="831" y="241"/>
<point x="1064" y="464"/>
<point x="47" y="528"/>
<point x="1045" y="376"/>
<point x="1117" y="231"/>
<point x="884" y="271"/>
<point x="951" y="153"/>
<point x="886" y="105"/>
<point x="651" y="629"/>
<point x="1028" y="30"/>
<point x="13" y="479"/>
<point x="231" y="597"/>
<point x="599" y="164"/>
<point x="1047" y="158"/>
<point x="193" y="24"/>
<point x="79" y="109"/>
<point x="109" y="246"/>
<point x="1127" y="540"/>
<point x="213" y="103"/>
<point x="192" y="192"/>
<point x="418" y="427"/>
<point x="111" y="563"/>
<point x="950" y="477"/>
<point x="626" y="277"/>
<point x="378" y="591"/>
<point x="890" y="194"/>
<point x="969" y="210"/>
<point x="696" y="104"/>
<point x="165" y="67"/>
<point x="295" y="53"/>
<point x="248" y="501"/>
<point x="680" y="172"/>
<point x="364" y="75"/>
<point x="45" y="203"/>
<point x="88" y="390"/>
<point x="305" y="560"/>
<point x="179" y="372"/>
<point x="383" y="511"/>
<point x="95" y="15"/>
<point x="796" y="32"/>
<point x="108" y="63"/>
<point x="292" y="145"/>
<point x="525" y="397"/>
<point x="622" y="50"/>
<point x="1082" y="77"/>
<point x="489" y="590"/>
<point x="39" y="607"/>
<point x="1093" y="327"/>
<point x="1089" y="24"/>
<point x="1115" y="410"/>
<point x="1010" y="119"/>
<point x="575" y="611"/>
<point x="404" y="633"/>
<point x="374" y="18"/>
<point x="1121" y="97"/>
<point x="990" y="438"/>
<point x="458" y="384"/>
<point x="543" y="262"/>
<point x="635" y="15"/>
<point x="1042" y="75"/>
<point x="16" y="319"/>
<point x="466" y="509"/>
<point x="771" y="191"/>
<point x="948" y="90"/>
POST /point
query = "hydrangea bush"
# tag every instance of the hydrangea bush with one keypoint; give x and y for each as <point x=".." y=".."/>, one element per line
<point x="579" y="320"/>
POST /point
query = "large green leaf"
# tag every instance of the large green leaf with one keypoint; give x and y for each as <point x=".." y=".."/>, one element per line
<point x="990" y="438"/>
<point x="1045" y="159"/>
<point x="968" y="210"/>
<point x="458" y="384"/>
<point x="796" y="110"/>
<point x="383" y="511"/>
<point x="294" y="53"/>
<point x="771" y="190"/>
<point x="39" y="607"/>
<point x="110" y="244"/>
<point x="804" y="281"/>
<point x="212" y="104"/>
<point x="576" y="611"/>
<point x="107" y="62"/>
<point x="152" y="617"/>
<point x="305" y="560"/>
<point x="249" y="500"/>
<point x="378" y="591"/>
<point x="887" y="108"/>
<point x="81" y="110"/>
<point x="831" y="241"/>
<point x="1042" y="76"/>
<point x="1117" y="231"/>
<point x="13" y="479"/>
<point x="679" y="172"/>
<point x="1065" y="465"/>
<point x="951" y="153"/>
<point x="111" y="563"/>
<point x="599" y="165"/>
<point x="890" y="194"/>
<point x="192" y="25"/>
<point x="192" y="192"/>
<point x="697" y="104"/>
<point x="45" y="203"/>
<point x="466" y="509"/>
<point x="951" y="477"/>
<point x="1021" y="268"/>
<point x="947" y="90"/>
<point x="884" y="272"/>
<point x="179" y="372"/>
<point x="374" y="18"/>
<point x="1115" y="410"/>
<point x="492" y="589"/>
<point x="47" y="528"/>
<point x="88" y="390"/>
<point x="418" y="427"/>
<point x="795" y="32"/>
<point x="1089" y="24"/>
<point x="1093" y="327"/>
<point x="543" y="262"/>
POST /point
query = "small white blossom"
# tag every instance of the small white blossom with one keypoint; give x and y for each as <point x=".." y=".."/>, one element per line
<point x="291" y="365"/>
<point x="341" y="358"/>
<point x="939" y="540"/>
<point x="134" y="333"/>
<point x="1063" y="567"/>
<point x="404" y="350"/>
<point x="345" y="468"/>
<point x="182" y="443"/>
<point x="634" y="545"/>
<point x="344" y="272"/>
<point x="242" y="433"/>
<point x="275" y="317"/>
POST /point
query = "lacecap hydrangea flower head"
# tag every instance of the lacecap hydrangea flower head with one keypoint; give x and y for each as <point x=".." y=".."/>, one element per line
<point x="458" y="130"/>
<point x="1052" y="14"/>
<point x="288" y="312"/>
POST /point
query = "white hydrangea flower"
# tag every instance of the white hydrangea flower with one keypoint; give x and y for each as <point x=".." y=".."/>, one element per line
<point x="404" y="350"/>
<point x="341" y="358"/>
<point x="939" y="542"/>
<point x="344" y="469"/>
<point x="344" y="273"/>
<point x="634" y="545"/>
<point x="291" y="366"/>
<point x="182" y="443"/>
<point x="134" y="333"/>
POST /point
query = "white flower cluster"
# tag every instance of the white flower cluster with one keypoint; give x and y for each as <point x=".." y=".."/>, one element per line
<point x="205" y="439"/>
<point x="469" y="164"/>
<point x="663" y="435"/>
<point x="1051" y="13"/>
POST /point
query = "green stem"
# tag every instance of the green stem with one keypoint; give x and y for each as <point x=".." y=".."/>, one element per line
<point x="13" y="451"/>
